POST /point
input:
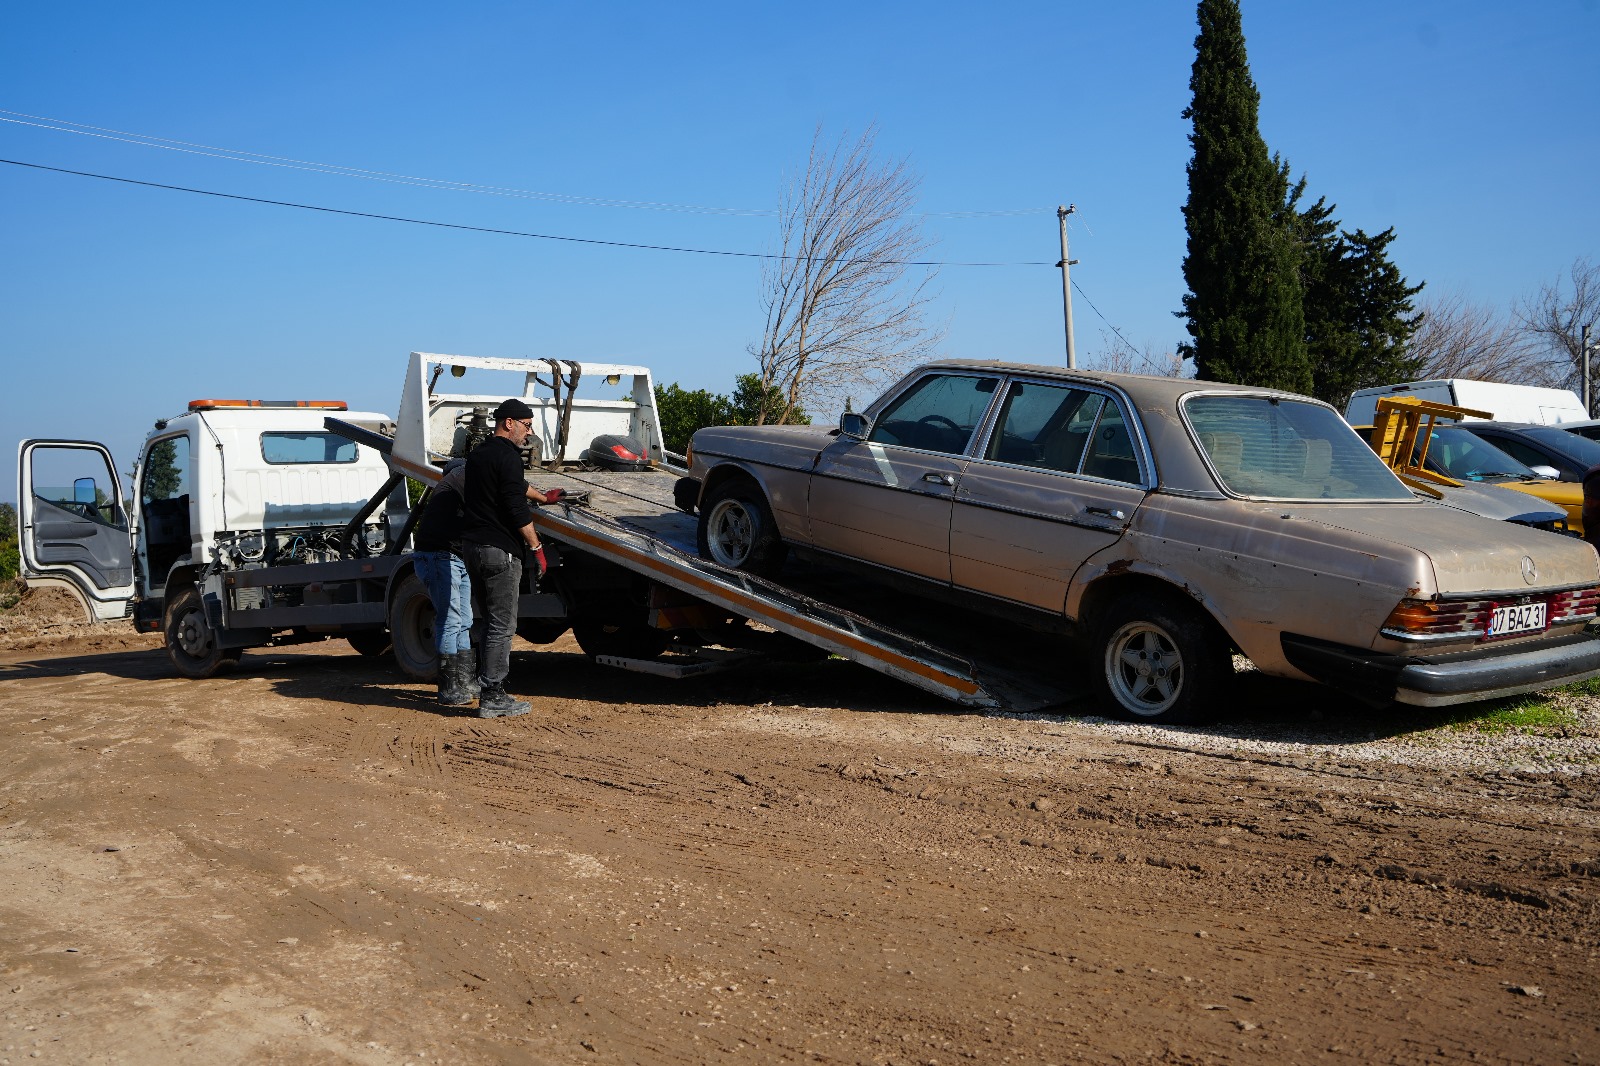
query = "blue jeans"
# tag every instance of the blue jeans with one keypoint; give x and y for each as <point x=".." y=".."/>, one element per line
<point x="445" y="576"/>
<point x="498" y="576"/>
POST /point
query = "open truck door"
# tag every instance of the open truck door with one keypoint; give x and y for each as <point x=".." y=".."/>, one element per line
<point x="73" y="528"/>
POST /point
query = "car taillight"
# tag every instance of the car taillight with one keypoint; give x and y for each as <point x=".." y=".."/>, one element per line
<point x="1431" y="620"/>
<point x="1574" y="605"/>
<point x="1437" y="620"/>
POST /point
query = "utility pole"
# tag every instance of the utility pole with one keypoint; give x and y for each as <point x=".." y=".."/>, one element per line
<point x="1066" y="282"/>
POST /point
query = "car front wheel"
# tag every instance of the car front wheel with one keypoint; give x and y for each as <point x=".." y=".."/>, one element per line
<point x="1158" y="660"/>
<point x="737" y="530"/>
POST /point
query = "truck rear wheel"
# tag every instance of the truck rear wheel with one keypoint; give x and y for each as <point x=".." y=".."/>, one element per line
<point x="368" y="642"/>
<point x="191" y="642"/>
<point x="633" y="640"/>
<point x="411" y="632"/>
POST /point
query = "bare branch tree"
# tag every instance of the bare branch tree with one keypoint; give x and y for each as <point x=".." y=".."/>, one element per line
<point x="1458" y="339"/>
<point x="1555" y="319"/>
<point x="1121" y="357"/>
<point x="844" y="305"/>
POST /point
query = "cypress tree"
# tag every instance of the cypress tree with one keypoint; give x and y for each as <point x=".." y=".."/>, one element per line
<point x="1358" y="311"/>
<point x="1244" y="308"/>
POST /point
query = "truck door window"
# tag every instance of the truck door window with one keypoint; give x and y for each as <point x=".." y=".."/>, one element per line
<point x="164" y="484"/>
<point x="937" y="414"/>
<point x="78" y="481"/>
<point x="281" y="447"/>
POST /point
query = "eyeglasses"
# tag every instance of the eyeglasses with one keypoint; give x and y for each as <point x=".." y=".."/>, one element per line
<point x="525" y="423"/>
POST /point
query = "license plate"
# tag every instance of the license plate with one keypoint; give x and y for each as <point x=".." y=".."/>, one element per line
<point x="1518" y="618"/>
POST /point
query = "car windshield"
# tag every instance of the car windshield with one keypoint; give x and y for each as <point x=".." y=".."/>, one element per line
<point x="1283" y="449"/>
<point x="1466" y="457"/>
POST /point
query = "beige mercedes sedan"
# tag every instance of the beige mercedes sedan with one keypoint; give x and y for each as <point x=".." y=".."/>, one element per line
<point x="1164" y="523"/>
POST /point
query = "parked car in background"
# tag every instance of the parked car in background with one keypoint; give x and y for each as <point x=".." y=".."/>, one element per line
<point x="1165" y="522"/>
<point x="1568" y="454"/>
<point x="1459" y="453"/>
<point x="1505" y="403"/>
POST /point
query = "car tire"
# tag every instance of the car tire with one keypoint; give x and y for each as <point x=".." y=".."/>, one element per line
<point x="631" y="641"/>
<point x="411" y="630"/>
<point x="737" y="530"/>
<point x="1158" y="660"/>
<point x="192" y="644"/>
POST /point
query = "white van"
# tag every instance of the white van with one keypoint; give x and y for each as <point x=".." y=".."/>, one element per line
<point x="1506" y="403"/>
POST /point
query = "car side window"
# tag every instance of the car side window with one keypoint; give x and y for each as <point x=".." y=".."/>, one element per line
<point x="937" y="414"/>
<point x="1520" y="451"/>
<point x="1110" y="452"/>
<point x="1046" y="426"/>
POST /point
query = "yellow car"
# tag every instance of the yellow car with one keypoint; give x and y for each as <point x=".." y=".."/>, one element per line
<point x="1455" y="452"/>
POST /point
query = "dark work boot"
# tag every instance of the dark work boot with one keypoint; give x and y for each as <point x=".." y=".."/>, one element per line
<point x="494" y="702"/>
<point x="468" y="661"/>
<point x="451" y="691"/>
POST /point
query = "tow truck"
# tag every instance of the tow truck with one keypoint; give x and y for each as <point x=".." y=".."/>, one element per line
<point x="255" y="523"/>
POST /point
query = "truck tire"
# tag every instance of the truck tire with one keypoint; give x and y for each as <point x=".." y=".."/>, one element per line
<point x="1158" y="660"/>
<point x="368" y="642"/>
<point x="540" y="630"/>
<point x="411" y="632"/>
<point x="191" y="642"/>
<point x="631" y="641"/>
<point x="737" y="530"/>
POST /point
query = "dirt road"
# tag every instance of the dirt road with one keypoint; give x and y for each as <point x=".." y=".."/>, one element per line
<point x="306" y="861"/>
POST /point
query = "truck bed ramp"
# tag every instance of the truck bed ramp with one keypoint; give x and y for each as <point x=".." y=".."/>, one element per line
<point x="839" y="631"/>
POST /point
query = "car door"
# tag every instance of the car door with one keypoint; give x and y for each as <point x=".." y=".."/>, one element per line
<point x="886" y="499"/>
<point x="73" y="525"/>
<point x="1058" y="479"/>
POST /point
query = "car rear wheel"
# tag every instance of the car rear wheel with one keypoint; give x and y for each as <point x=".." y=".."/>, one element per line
<point x="1158" y="660"/>
<point x="737" y="530"/>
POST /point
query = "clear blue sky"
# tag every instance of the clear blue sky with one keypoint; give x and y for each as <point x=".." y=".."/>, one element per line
<point x="1469" y="126"/>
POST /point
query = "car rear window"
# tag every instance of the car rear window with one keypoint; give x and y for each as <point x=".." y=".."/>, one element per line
<point x="1281" y="449"/>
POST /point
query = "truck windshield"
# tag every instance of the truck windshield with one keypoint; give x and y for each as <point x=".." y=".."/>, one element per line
<point x="285" y="447"/>
<point x="1282" y="449"/>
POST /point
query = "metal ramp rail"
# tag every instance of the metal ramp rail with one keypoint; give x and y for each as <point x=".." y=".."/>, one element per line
<point x="844" y="633"/>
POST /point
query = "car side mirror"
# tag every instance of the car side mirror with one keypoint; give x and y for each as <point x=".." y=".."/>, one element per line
<point x="854" y="425"/>
<point x="1546" y="471"/>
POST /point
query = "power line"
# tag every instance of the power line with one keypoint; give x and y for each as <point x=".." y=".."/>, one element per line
<point x="58" y="125"/>
<point x="489" y="229"/>
<point x="1103" y="318"/>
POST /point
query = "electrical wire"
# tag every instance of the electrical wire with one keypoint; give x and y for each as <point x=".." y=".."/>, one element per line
<point x="239" y="156"/>
<point x="500" y="232"/>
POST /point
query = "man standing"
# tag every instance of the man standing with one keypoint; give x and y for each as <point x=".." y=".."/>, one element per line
<point x="496" y="536"/>
<point x="439" y="564"/>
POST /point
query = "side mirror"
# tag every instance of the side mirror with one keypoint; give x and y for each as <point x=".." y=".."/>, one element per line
<point x="1546" y="471"/>
<point x="854" y="425"/>
<point x="84" y="490"/>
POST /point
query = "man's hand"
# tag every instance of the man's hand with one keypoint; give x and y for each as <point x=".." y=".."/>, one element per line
<point x="553" y="495"/>
<point x="538" y="559"/>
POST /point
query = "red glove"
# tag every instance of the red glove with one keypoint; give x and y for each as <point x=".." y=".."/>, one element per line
<point x="538" y="558"/>
<point x="553" y="495"/>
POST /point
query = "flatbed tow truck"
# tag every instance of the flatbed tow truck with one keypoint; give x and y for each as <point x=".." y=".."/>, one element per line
<point x="240" y="560"/>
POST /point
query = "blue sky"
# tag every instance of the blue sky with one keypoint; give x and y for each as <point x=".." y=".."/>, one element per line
<point x="1469" y="126"/>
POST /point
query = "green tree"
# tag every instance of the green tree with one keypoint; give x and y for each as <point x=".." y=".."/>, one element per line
<point x="161" y="474"/>
<point x="1358" y="308"/>
<point x="1244" y="307"/>
<point x="10" y="559"/>
<point x="682" y="411"/>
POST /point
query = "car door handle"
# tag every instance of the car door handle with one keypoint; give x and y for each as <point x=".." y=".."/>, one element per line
<point x="947" y="480"/>
<point x="1113" y="513"/>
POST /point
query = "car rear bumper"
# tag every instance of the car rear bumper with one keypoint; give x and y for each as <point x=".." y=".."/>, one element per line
<point x="1439" y="680"/>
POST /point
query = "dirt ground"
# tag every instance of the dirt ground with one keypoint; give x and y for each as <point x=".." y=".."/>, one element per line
<point x="307" y="861"/>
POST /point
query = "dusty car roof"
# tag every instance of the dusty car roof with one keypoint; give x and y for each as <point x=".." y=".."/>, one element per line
<point x="1178" y="465"/>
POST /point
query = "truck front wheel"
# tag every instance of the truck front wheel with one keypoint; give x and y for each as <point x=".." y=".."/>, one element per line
<point x="191" y="642"/>
<point x="411" y="632"/>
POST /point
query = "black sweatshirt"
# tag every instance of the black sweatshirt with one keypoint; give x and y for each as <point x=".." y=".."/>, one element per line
<point x="496" y="497"/>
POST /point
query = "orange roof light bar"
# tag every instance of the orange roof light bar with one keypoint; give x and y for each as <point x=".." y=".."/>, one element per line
<point x="211" y="405"/>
